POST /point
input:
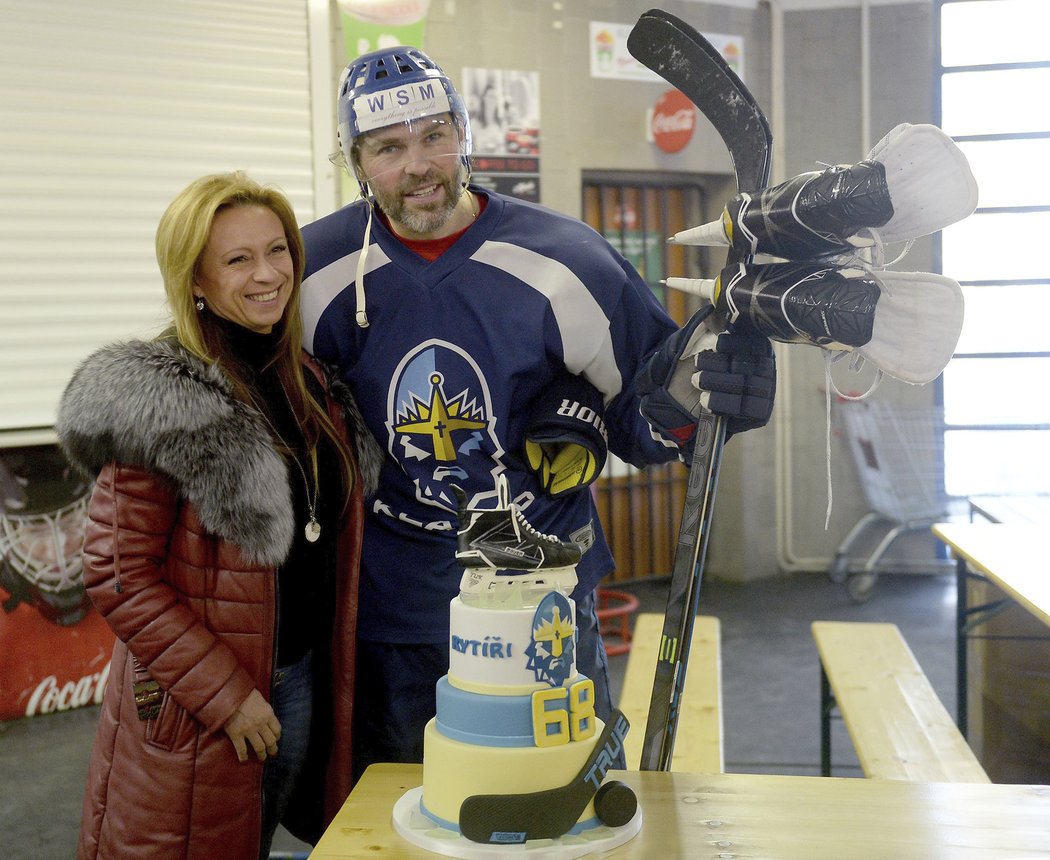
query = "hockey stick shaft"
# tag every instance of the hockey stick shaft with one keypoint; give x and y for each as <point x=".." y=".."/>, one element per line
<point x="683" y="595"/>
<point x="680" y="55"/>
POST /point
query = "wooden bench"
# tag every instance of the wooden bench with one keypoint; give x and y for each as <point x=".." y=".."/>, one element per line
<point x="698" y="738"/>
<point x="898" y="725"/>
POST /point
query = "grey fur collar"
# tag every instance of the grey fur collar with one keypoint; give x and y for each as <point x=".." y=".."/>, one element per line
<point x="154" y="405"/>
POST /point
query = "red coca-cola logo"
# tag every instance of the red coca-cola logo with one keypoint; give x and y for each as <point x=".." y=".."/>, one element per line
<point x="674" y="118"/>
<point x="50" y="695"/>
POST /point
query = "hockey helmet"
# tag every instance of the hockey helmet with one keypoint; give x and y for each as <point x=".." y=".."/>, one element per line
<point x="391" y="86"/>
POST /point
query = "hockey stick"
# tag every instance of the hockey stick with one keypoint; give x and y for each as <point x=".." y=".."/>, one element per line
<point x="685" y="59"/>
<point x="514" y="818"/>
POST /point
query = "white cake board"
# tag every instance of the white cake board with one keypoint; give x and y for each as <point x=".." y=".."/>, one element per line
<point x="414" y="826"/>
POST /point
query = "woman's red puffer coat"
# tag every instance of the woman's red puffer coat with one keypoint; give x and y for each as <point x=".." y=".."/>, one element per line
<point x="180" y="560"/>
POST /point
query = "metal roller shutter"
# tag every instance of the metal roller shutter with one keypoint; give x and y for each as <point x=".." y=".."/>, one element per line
<point x="108" y="109"/>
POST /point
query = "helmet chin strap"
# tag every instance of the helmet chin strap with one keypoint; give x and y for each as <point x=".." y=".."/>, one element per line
<point x="359" y="277"/>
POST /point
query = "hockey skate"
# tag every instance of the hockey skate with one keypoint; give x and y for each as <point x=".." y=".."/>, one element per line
<point x="502" y="539"/>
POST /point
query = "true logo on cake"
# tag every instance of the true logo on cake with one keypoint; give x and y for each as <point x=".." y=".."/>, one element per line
<point x="552" y="650"/>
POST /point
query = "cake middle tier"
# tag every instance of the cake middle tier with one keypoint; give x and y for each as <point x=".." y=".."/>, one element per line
<point x="509" y="721"/>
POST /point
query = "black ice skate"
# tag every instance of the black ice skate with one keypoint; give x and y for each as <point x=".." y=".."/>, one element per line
<point x="502" y="539"/>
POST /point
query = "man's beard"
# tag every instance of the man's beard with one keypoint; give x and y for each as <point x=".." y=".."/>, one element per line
<point x="430" y="219"/>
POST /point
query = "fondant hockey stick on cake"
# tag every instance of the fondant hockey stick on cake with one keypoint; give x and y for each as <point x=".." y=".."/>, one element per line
<point x="511" y="818"/>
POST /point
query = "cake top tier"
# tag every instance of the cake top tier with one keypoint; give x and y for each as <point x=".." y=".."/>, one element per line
<point x="504" y="651"/>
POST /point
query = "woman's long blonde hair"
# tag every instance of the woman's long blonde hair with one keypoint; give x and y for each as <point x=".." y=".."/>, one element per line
<point x="182" y="236"/>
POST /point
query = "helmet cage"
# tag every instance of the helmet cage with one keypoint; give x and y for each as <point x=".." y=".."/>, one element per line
<point x="40" y="560"/>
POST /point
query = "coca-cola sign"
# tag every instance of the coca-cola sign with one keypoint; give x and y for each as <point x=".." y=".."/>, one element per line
<point x="46" y="668"/>
<point x="673" y="121"/>
<point x="50" y="695"/>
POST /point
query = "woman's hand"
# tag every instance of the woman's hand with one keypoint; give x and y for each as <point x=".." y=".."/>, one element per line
<point x="254" y="725"/>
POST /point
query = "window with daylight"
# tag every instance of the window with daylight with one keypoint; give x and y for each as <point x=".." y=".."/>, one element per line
<point x="994" y="64"/>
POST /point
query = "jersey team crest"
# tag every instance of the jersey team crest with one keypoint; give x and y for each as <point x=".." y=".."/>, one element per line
<point x="440" y="425"/>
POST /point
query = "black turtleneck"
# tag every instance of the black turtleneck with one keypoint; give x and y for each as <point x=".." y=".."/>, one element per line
<point x="305" y="581"/>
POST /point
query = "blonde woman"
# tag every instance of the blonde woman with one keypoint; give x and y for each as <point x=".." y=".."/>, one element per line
<point x="222" y="547"/>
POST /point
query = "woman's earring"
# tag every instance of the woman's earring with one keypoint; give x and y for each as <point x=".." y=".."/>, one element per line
<point x="200" y="303"/>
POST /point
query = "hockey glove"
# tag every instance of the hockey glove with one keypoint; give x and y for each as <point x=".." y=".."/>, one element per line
<point x="729" y="374"/>
<point x="565" y="441"/>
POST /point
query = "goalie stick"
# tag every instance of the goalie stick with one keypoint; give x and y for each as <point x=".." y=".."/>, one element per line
<point x="685" y="59"/>
<point x="515" y="818"/>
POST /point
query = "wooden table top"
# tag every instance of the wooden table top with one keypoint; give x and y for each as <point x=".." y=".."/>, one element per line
<point x="739" y="816"/>
<point x="1015" y="556"/>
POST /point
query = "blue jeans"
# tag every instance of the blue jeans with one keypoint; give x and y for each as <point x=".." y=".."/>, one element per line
<point x="291" y="698"/>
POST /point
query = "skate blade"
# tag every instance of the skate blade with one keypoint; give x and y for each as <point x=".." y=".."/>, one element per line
<point x="488" y="580"/>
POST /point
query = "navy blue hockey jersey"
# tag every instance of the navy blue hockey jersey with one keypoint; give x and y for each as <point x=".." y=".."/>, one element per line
<point x="456" y="351"/>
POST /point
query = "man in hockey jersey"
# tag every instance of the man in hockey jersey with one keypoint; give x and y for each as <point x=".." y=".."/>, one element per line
<point x="466" y="322"/>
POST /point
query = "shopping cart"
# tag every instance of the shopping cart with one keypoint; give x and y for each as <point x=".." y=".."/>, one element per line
<point x="898" y="452"/>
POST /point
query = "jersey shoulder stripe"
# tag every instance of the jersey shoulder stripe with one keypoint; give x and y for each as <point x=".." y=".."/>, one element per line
<point x="321" y="288"/>
<point x="585" y="346"/>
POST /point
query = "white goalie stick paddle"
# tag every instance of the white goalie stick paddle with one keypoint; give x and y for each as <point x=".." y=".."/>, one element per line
<point x="515" y="818"/>
<point x="687" y="61"/>
<point x="914" y="182"/>
<point x="907" y="324"/>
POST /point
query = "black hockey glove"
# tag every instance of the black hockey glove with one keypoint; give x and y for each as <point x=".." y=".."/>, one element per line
<point x="565" y="441"/>
<point x="729" y="374"/>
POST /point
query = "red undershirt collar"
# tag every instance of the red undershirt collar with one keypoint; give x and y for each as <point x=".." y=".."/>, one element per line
<point x="431" y="249"/>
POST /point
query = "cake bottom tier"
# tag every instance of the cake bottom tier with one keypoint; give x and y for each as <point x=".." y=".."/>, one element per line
<point x="453" y="771"/>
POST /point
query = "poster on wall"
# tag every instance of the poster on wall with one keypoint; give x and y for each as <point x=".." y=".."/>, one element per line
<point x="54" y="646"/>
<point x="611" y="59"/>
<point x="504" y="108"/>
<point x="369" y="25"/>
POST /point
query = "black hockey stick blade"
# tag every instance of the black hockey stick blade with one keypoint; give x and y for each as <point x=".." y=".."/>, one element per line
<point x="682" y="57"/>
<point x="515" y="818"/>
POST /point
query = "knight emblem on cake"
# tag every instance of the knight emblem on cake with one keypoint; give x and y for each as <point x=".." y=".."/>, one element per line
<point x="515" y="751"/>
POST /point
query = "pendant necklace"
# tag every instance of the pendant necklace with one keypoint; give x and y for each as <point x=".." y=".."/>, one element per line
<point x="312" y="529"/>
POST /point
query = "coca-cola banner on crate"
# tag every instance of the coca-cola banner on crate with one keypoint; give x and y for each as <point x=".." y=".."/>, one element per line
<point x="45" y="667"/>
<point x="54" y="646"/>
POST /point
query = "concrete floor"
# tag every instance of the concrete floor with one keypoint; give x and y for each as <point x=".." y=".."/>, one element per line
<point x="770" y="679"/>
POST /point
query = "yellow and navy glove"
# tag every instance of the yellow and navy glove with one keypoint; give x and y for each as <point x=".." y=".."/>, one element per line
<point x="565" y="441"/>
